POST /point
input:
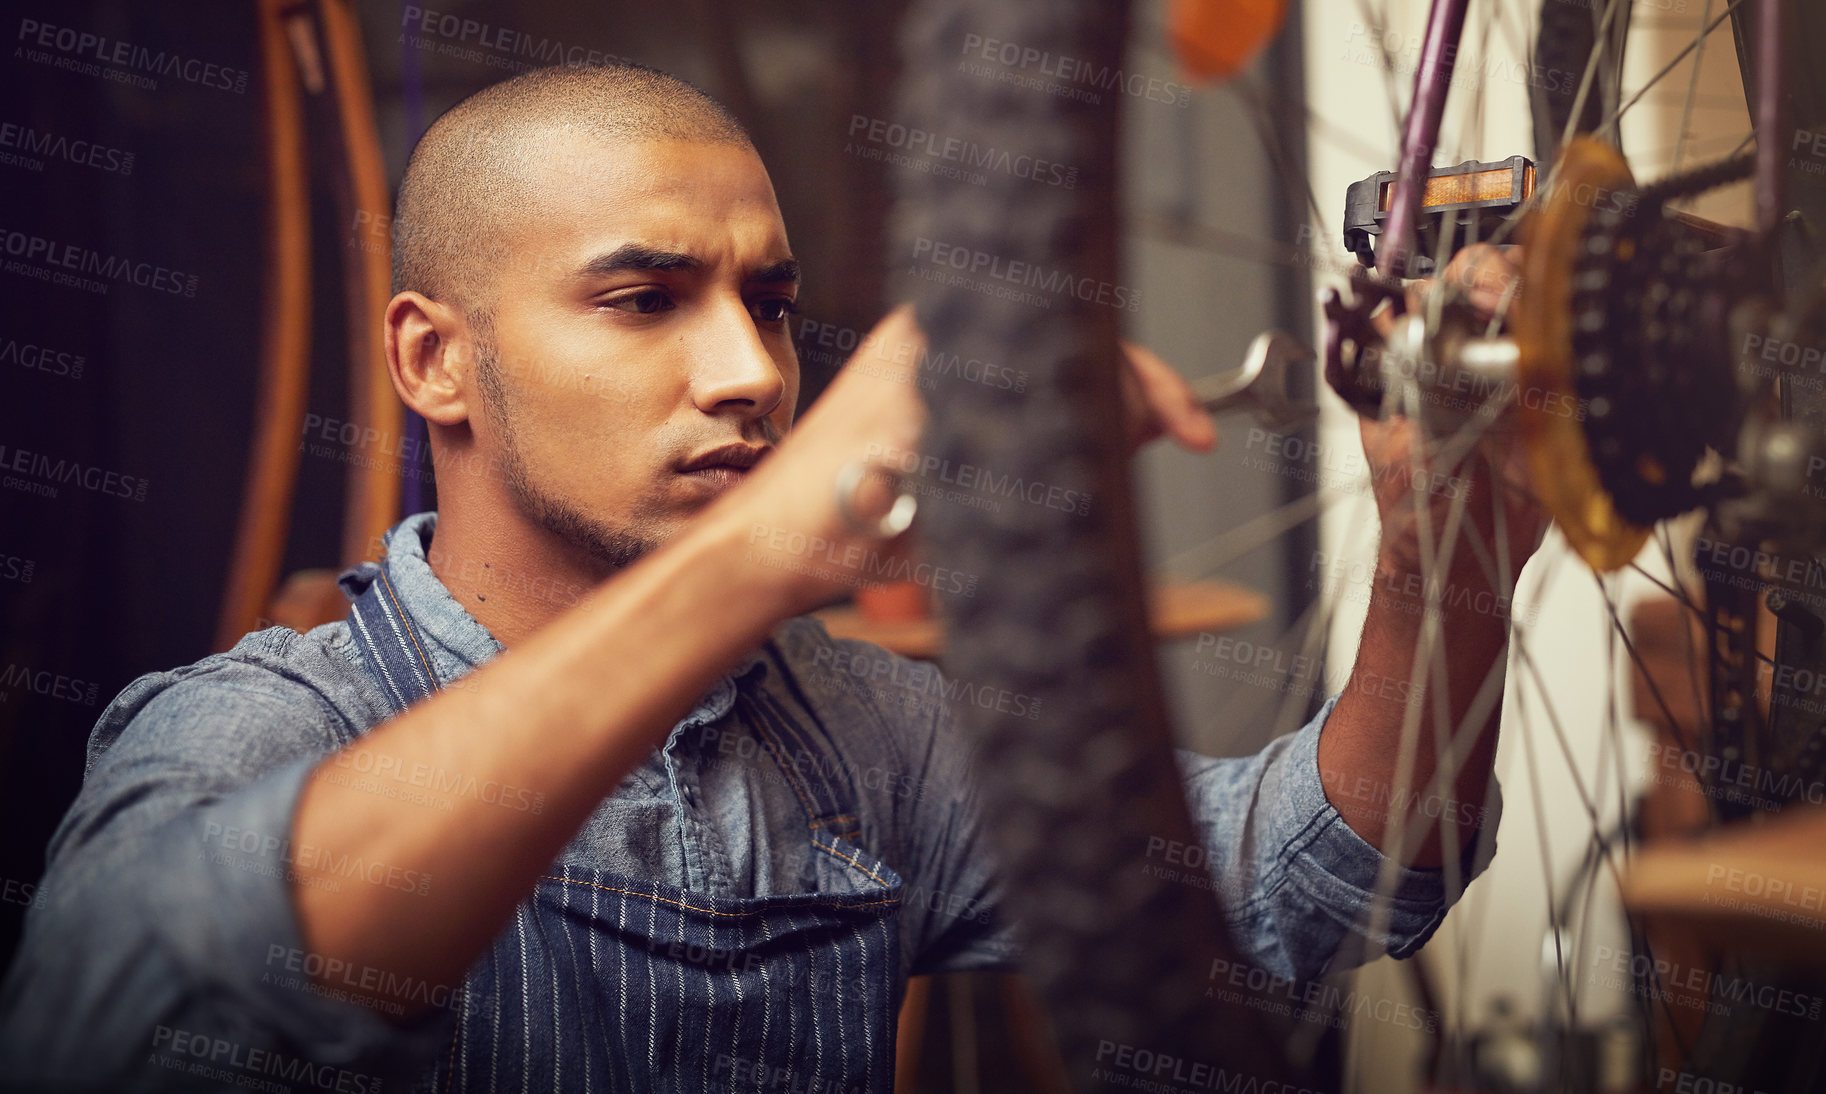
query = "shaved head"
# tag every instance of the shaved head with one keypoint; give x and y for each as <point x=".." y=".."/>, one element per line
<point x="480" y="165"/>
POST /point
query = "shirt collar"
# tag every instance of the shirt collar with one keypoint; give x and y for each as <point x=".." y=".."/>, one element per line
<point x="458" y="640"/>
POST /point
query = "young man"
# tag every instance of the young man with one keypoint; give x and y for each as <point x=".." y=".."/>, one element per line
<point x="574" y="799"/>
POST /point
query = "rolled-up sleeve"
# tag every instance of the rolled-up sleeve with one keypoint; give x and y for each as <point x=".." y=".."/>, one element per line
<point x="163" y="951"/>
<point x="1299" y="888"/>
<point x="1298" y="883"/>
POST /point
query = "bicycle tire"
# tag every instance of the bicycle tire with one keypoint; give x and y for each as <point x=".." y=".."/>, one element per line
<point x="1120" y="956"/>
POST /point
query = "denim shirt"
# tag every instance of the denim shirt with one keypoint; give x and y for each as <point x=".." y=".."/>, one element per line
<point x="165" y="934"/>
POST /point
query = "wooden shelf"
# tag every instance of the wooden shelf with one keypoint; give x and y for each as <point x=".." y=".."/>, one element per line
<point x="1750" y="886"/>
<point x="1179" y="610"/>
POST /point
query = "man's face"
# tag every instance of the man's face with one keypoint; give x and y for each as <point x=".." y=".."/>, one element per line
<point x="639" y="358"/>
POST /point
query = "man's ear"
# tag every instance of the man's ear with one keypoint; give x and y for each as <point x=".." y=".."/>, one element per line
<point x="430" y="356"/>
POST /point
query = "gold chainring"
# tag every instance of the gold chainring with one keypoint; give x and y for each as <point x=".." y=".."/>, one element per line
<point x="1563" y="475"/>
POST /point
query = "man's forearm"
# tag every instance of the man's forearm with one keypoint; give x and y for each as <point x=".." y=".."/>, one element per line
<point x="1360" y="751"/>
<point x="566" y="714"/>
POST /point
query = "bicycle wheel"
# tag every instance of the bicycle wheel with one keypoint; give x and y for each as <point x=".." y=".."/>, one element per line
<point x="1062" y="616"/>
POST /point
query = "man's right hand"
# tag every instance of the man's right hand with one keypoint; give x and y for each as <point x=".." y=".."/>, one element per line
<point x="787" y="514"/>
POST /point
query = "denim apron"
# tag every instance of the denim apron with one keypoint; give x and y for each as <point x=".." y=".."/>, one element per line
<point x="603" y="981"/>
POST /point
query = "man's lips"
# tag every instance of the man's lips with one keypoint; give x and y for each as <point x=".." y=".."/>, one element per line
<point x="725" y="466"/>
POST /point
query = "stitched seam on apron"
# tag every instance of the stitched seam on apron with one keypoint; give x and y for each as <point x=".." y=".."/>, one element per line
<point x="838" y="854"/>
<point x="766" y="708"/>
<point x="799" y="791"/>
<point x="803" y="792"/>
<point x="406" y="625"/>
<point x="455" y="1036"/>
<point x="709" y="911"/>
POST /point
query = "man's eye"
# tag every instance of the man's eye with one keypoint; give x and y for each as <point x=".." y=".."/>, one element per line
<point x="646" y="302"/>
<point x="774" y="309"/>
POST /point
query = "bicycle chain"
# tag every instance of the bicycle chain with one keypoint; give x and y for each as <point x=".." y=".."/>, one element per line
<point x="1650" y="361"/>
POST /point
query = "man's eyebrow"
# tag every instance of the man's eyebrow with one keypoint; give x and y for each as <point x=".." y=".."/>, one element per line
<point x="638" y="256"/>
<point x="787" y="270"/>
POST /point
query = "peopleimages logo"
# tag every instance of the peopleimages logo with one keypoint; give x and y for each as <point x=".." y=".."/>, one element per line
<point x="27" y="249"/>
<point x="1310" y="1000"/>
<point x="37" y="473"/>
<point x="1057" y="72"/>
<point x="499" y="46"/>
<point x="1657" y="974"/>
<point x="1025" y="274"/>
<point x="781" y="548"/>
<point x="46" y="359"/>
<point x="49" y="684"/>
<point x="966" y="153"/>
<point x="983" y="482"/>
<point x="832" y="344"/>
<point x="14" y="568"/>
<point x="1399" y="54"/>
<point x="86" y="53"/>
<point x="921" y="678"/>
<point x="218" y="1060"/>
<point x="1813" y="160"/>
<point x="1120" y="1064"/>
<point x="27" y="143"/>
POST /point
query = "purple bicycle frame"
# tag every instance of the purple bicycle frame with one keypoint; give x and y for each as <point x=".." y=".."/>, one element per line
<point x="1439" y="53"/>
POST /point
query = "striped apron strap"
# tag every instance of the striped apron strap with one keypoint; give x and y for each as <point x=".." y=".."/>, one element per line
<point x="390" y="645"/>
<point x="803" y="749"/>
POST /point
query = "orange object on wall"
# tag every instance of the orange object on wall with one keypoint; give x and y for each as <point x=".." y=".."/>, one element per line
<point x="1216" y="39"/>
<point x="894" y="602"/>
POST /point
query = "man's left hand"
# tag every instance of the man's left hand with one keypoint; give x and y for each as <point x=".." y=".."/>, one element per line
<point x="1493" y="475"/>
<point x="1158" y="402"/>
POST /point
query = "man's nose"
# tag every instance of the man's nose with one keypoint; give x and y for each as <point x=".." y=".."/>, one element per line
<point x="734" y="367"/>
